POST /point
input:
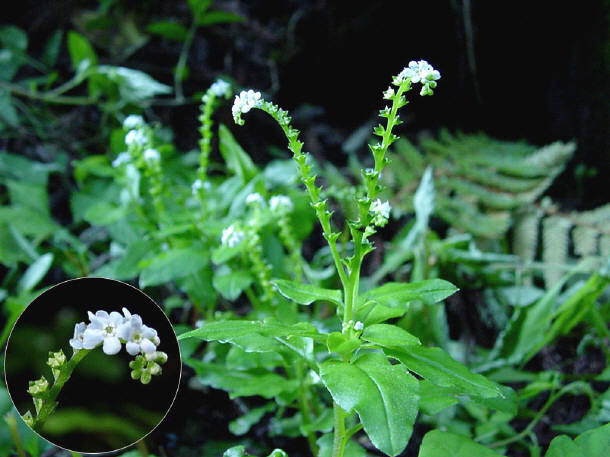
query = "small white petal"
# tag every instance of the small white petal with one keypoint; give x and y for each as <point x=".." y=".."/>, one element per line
<point x="76" y="344"/>
<point x="132" y="348"/>
<point x="147" y="346"/>
<point x="92" y="338"/>
<point x="112" y="345"/>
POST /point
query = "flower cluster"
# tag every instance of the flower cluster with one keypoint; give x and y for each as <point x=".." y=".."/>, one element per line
<point x="220" y="88"/>
<point x="112" y="330"/>
<point x="419" y="72"/>
<point x="280" y="203"/>
<point x="357" y="326"/>
<point x="232" y="236"/>
<point x="381" y="212"/>
<point x="244" y="102"/>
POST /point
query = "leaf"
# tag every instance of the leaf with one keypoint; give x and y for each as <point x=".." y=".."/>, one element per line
<point x="389" y="336"/>
<point x="218" y="17"/>
<point x="172" y="264"/>
<point x="134" y="86"/>
<point x="306" y="294"/>
<point x="232" y="284"/>
<point x="104" y="213"/>
<point x="385" y="396"/>
<point x="227" y="331"/>
<point x="242" y="383"/>
<point x="439" y="368"/>
<point x="235" y="157"/>
<point x="171" y="30"/>
<point x="398" y="294"/>
<point x="243" y="424"/>
<point x="563" y="446"/>
<point x="444" y="444"/>
<point x="596" y="442"/>
<point x="8" y="113"/>
<point x="12" y="37"/>
<point x="198" y="7"/>
<point x="35" y="272"/>
<point x="51" y="49"/>
<point x="80" y="49"/>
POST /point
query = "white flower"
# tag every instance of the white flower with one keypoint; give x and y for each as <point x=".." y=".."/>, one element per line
<point x="244" y="102"/>
<point x="231" y="237"/>
<point x="197" y="184"/>
<point x="420" y="72"/>
<point x="123" y="157"/>
<point x="358" y="326"/>
<point x="137" y="336"/>
<point x="77" y="340"/>
<point x="133" y="121"/>
<point x="220" y="88"/>
<point x="280" y="203"/>
<point x="152" y="155"/>
<point x="381" y="212"/>
<point x="135" y="138"/>
<point x="388" y="94"/>
<point x="103" y="329"/>
<point x="255" y="198"/>
<point x="381" y="209"/>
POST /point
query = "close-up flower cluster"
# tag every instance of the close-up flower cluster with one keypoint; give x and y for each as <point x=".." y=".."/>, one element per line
<point x="110" y="331"/>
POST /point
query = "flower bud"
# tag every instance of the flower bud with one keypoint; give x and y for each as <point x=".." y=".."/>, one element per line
<point x="38" y="387"/>
<point x="28" y="418"/>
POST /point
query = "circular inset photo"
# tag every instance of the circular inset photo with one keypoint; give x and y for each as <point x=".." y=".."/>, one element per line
<point x="92" y="365"/>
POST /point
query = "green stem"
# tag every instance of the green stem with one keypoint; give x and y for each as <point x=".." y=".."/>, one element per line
<point x="46" y="96"/>
<point x="12" y="425"/>
<point x="305" y="407"/>
<point x="181" y="65"/>
<point x="339" y="434"/>
<point x="527" y="430"/>
<point x="49" y="400"/>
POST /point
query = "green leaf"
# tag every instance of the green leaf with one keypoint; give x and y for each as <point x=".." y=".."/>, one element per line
<point x="438" y="367"/>
<point x="51" y="49"/>
<point x="596" y="442"/>
<point x="444" y="444"/>
<point x="198" y="7"/>
<point x="398" y="295"/>
<point x="563" y="446"/>
<point x="218" y="17"/>
<point x="389" y="336"/>
<point x="242" y="383"/>
<point x="173" y="264"/>
<point x="104" y="213"/>
<point x="8" y="114"/>
<point x="128" y="266"/>
<point x="306" y="294"/>
<point x="228" y="331"/>
<point x="385" y="397"/>
<point x="235" y="157"/>
<point x="27" y="221"/>
<point x="243" y="424"/>
<point x="35" y="272"/>
<point x="134" y="86"/>
<point x="171" y="30"/>
<point x="80" y="49"/>
<point x="12" y="37"/>
<point x="230" y="285"/>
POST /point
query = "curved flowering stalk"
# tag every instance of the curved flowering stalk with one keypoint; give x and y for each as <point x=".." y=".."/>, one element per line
<point x="220" y="88"/>
<point x="110" y="331"/>
<point x="372" y="212"/>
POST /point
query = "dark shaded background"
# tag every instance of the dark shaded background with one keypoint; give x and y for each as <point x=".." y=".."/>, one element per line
<point x="101" y="384"/>
<point x="516" y="70"/>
